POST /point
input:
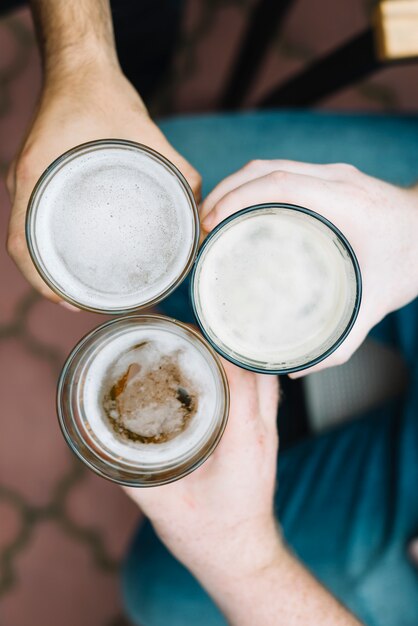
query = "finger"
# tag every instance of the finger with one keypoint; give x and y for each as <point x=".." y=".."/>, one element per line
<point x="268" y="400"/>
<point x="18" y="250"/>
<point x="356" y="337"/>
<point x="255" y="169"/>
<point x="191" y="175"/>
<point x="25" y="265"/>
<point x="157" y="140"/>
<point x="243" y="411"/>
<point x="277" y="186"/>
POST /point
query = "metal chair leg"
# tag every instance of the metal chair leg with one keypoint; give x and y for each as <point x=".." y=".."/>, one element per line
<point x="262" y="28"/>
<point x="348" y="64"/>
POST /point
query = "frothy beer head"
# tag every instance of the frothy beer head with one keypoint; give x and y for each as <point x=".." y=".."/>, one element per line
<point x="112" y="226"/>
<point x="276" y="288"/>
<point x="145" y="395"/>
<point x="148" y="397"/>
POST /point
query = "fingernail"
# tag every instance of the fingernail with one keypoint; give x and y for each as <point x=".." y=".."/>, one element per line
<point x="69" y="306"/>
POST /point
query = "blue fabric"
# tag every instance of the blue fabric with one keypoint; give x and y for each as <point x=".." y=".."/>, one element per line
<point x="218" y="145"/>
<point x="347" y="500"/>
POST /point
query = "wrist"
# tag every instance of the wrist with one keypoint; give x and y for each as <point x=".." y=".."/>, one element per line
<point x="73" y="35"/>
<point x="243" y="555"/>
<point x="75" y="62"/>
<point x="282" y="593"/>
<point x="241" y="592"/>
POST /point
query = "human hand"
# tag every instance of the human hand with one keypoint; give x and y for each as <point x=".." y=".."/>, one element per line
<point x="93" y="102"/>
<point x="219" y="519"/>
<point x="379" y="220"/>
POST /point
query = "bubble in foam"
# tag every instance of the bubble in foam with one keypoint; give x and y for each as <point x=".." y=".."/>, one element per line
<point x="152" y="392"/>
<point x="142" y="400"/>
<point x="148" y="398"/>
<point x="113" y="226"/>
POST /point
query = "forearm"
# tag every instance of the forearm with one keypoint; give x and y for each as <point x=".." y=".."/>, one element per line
<point x="281" y="594"/>
<point x="73" y="33"/>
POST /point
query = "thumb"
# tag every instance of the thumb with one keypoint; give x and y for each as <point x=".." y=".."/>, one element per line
<point x="243" y="409"/>
<point x="268" y="400"/>
<point x="18" y="249"/>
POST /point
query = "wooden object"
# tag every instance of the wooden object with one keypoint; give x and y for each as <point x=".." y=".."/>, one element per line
<point x="395" y="25"/>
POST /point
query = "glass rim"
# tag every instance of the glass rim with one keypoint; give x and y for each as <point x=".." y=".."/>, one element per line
<point x="32" y="207"/>
<point x="357" y="301"/>
<point x="130" y="478"/>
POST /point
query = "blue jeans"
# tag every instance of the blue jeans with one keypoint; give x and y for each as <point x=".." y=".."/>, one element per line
<point x="347" y="500"/>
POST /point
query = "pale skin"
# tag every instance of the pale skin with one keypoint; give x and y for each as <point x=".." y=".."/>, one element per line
<point x="85" y="96"/>
<point x="219" y="521"/>
<point x="379" y="220"/>
<point x="240" y="557"/>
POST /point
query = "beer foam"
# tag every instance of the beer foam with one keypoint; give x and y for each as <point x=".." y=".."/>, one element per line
<point x="114" y="227"/>
<point x="274" y="288"/>
<point x="147" y="346"/>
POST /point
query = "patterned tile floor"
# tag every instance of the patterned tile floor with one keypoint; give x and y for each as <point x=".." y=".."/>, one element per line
<point x="63" y="531"/>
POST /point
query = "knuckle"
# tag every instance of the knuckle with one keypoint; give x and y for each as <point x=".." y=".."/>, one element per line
<point x="27" y="163"/>
<point x="227" y="205"/>
<point x="262" y="439"/>
<point x="196" y="177"/>
<point x="16" y="245"/>
<point x="254" y="164"/>
<point x="346" y="169"/>
<point x="278" y="176"/>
